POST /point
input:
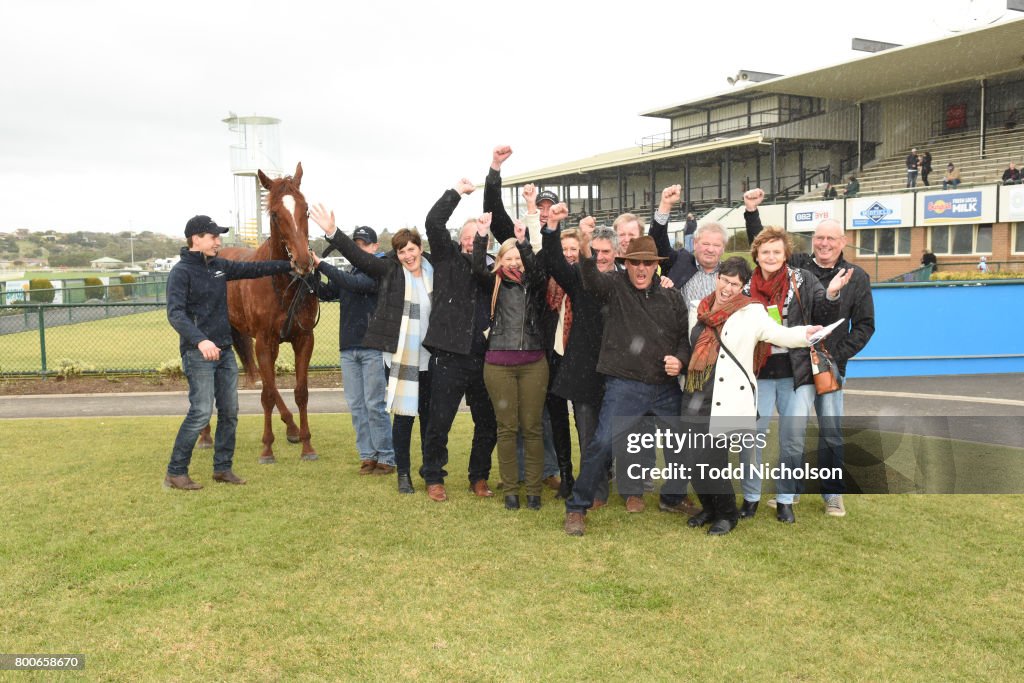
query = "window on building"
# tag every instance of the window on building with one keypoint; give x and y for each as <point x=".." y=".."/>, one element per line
<point x="885" y="241"/>
<point x="1018" y="238"/>
<point x="961" y="239"/>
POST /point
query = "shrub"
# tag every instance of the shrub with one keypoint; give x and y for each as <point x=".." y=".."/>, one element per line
<point x="115" y="293"/>
<point x="171" y="368"/>
<point x="946" y="276"/>
<point x="283" y="367"/>
<point x="126" y="283"/>
<point x="94" y="288"/>
<point x="40" y="291"/>
<point x="68" y="367"/>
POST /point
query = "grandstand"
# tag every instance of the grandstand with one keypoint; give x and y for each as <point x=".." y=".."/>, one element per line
<point x="792" y="134"/>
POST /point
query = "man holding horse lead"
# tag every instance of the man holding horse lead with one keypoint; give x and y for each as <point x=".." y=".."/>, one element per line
<point x="197" y="308"/>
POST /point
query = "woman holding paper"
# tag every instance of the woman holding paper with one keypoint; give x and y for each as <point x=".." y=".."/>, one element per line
<point x="793" y="297"/>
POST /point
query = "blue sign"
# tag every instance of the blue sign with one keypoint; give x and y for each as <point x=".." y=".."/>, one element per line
<point x="804" y="216"/>
<point x="953" y="206"/>
<point x="875" y="215"/>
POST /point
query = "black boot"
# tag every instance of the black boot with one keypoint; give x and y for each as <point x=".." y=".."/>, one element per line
<point x="405" y="484"/>
<point x="748" y="509"/>
<point x="511" y="502"/>
<point x="565" y="489"/>
<point x="784" y="513"/>
<point x="533" y="502"/>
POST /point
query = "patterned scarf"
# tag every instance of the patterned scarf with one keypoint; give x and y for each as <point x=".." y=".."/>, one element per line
<point x="705" y="351"/>
<point x="771" y="291"/>
<point x="403" y="396"/>
<point x="556" y="295"/>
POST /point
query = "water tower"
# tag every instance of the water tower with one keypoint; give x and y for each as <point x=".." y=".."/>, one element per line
<point x="258" y="147"/>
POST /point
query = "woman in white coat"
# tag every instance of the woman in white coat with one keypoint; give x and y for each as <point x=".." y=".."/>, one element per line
<point x="729" y="336"/>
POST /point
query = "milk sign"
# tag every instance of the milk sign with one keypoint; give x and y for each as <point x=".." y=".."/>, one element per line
<point x="952" y="206"/>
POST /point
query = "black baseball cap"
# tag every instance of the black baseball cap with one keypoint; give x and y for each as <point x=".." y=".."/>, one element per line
<point x="201" y="225"/>
<point x="547" y="196"/>
<point x="366" y="234"/>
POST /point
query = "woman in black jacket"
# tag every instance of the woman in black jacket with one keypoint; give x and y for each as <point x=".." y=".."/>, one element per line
<point x="515" y="367"/>
<point x="792" y="297"/>
<point x="397" y="328"/>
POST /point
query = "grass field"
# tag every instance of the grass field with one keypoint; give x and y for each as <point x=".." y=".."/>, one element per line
<point x="137" y="342"/>
<point x="313" y="572"/>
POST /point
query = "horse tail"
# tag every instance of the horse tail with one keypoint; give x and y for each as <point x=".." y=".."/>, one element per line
<point x="243" y="345"/>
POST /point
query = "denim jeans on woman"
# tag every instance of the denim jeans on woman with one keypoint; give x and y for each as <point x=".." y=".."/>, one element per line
<point x="794" y="406"/>
<point x="209" y="382"/>
<point x="366" y="388"/>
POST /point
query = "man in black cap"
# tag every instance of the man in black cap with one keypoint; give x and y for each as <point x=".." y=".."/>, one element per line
<point x="197" y="308"/>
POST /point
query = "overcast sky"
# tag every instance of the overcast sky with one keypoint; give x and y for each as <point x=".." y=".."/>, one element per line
<point x="110" y="112"/>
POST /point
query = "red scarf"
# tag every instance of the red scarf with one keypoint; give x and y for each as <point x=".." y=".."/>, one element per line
<point x="555" y="296"/>
<point x="772" y="291"/>
<point x="705" y="351"/>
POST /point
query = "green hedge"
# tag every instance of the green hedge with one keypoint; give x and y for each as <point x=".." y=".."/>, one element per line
<point x="40" y="291"/>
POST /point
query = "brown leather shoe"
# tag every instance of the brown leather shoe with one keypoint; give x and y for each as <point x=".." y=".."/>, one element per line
<point x="598" y="503"/>
<point x="382" y="469"/>
<point x="635" y="504"/>
<point x="553" y="482"/>
<point x="182" y="481"/>
<point x="575" y="523"/>
<point x="367" y="467"/>
<point x="685" y="507"/>
<point x="480" y="489"/>
<point x="228" y="477"/>
<point x="437" y="493"/>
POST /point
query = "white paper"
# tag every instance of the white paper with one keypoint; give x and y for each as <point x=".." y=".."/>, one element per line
<point x="825" y="331"/>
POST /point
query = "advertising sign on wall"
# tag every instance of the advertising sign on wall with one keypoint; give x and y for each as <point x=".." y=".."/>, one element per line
<point x="805" y="216"/>
<point x="882" y="211"/>
<point x="1011" y="204"/>
<point x="968" y="206"/>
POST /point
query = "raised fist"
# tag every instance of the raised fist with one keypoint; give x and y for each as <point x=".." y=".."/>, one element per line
<point x="753" y="198"/>
<point x="558" y="213"/>
<point x="530" y="195"/>
<point x="587" y="225"/>
<point x="672" y="194"/>
<point x="501" y="152"/>
<point x="465" y="186"/>
<point x="519" y="230"/>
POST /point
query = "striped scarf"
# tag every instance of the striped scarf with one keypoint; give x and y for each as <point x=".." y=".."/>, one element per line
<point x="554" y="298"/>
<point x="404" y="378"/>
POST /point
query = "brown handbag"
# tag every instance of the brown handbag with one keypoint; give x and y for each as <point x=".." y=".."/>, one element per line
<point x="823" y="367"/>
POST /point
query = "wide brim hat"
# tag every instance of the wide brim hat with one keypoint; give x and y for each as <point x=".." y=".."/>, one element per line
<point x="642" y="249"/>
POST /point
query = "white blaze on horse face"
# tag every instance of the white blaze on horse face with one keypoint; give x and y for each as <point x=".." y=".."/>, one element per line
<point x="289" y="203"/>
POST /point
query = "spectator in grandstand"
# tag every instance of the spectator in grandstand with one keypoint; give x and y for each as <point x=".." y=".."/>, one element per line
<point x="928" y="259"/>
<point x="688" y="231"/>
<point x="639" y="314"/>
<point x="398" y="327"/>
<point x="926" y="166"/>
<point x="729" y="338"/>
<point x="362" y="369"/>
<point x="830" y="192"/>
<point x="857" y="307"/>
<point x="912" y="167"/>
<point x="852" y="187"/>
<point x="197" y="309"/>
<point x="952" y="177"/>
<point x="1011" y="176"/>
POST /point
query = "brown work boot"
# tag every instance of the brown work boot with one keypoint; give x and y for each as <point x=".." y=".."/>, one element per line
<point x="553" y="482"/>
<point x="181" y="481"/>
<point x="382" y="469"/>
<point x="685" y="507"/>
<point x="480" y="489"/>
<point x="575" y="523"/>
<point x="228" y="477"/>
<point x="635" y="504"/>
<point x="437" y="493"/>
<point x="367" y="467"/>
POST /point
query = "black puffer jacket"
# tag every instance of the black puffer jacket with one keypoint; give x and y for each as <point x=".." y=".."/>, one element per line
<point x="386" y="324"/>
<point x="518" y="310"/>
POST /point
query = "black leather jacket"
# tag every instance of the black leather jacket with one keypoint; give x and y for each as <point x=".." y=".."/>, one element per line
<point x="516" y="325"/>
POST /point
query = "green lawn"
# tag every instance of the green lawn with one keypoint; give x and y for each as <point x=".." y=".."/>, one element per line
<point x="313" y="572"/>
<point x="137" y="342"/>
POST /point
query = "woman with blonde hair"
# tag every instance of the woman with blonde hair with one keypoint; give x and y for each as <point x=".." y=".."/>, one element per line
<point x="515" y="366"/>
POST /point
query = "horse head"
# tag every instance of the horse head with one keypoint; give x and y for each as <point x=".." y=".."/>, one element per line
<point x="289" y="219"/>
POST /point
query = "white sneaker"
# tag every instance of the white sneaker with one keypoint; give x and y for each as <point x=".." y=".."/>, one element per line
<point x="834" y="506"/>
<point x="772" y="502"/>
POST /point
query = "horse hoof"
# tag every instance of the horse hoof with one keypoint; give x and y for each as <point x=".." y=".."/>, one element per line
<point x="267" y="460"/>
<point x="293" y="439"/>
<point x="310" y="456"/>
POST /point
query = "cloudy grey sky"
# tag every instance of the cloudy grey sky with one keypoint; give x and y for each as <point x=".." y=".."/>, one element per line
<point x="110" y="112"/>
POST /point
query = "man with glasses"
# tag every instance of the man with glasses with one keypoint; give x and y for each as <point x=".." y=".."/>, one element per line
<point x="644" y="348"/>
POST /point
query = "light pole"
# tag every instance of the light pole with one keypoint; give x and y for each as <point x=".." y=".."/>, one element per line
<point x="131" y="242"/>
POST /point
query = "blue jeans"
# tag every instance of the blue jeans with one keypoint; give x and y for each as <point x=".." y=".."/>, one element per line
<point x="946" y="184"/>
<point x="829" y="409"/>
<point x="209" y="382"/>
<point x="794" y="407"/>
<point x="688" y="242"/>
<point x="366" y="391"/>
<point x="623" y="398"/>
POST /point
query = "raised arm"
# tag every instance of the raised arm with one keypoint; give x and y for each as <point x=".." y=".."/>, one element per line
<point x="338" y="280"/>
<point x="567" y="277"/>
<point x="594" y="281"/>
<point x="502" y="225"/>
<point x="751" y="200"/>
<point x="670" y="196"/>
<point x="371" y="265"/>
<point x="441" y="245"/>
<point x="480" y="272"/>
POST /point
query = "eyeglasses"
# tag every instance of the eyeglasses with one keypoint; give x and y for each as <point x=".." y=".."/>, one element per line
<point x="638" y="262"/>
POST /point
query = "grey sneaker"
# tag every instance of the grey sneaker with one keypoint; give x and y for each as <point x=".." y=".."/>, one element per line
<point x="772" y="502"/>
<point x="834" y="506"/>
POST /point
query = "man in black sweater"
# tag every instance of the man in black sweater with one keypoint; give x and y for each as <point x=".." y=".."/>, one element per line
<point x="846" y="341"/>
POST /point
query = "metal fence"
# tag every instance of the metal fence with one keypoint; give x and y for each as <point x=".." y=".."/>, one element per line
<point x="150" y="287"/>
<point x="113" y="337"/>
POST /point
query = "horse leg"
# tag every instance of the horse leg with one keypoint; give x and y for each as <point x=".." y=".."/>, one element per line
<point x="205" y="440"/>
<point x="265" y="354"/>
<point x="303" y="347"/>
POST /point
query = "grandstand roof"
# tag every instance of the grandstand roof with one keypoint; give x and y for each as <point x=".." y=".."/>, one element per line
<point x="982" y="53"/>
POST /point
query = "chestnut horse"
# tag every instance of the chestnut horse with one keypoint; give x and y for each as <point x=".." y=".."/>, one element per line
<point x="280" y="308"/>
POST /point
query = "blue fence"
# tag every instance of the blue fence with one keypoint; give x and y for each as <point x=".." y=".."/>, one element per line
<point x="944" y="328"/>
